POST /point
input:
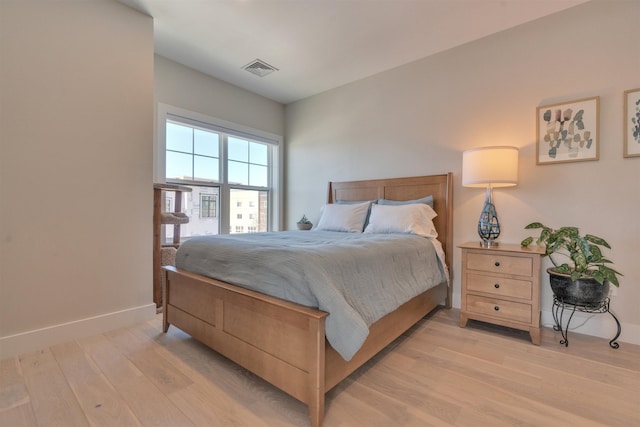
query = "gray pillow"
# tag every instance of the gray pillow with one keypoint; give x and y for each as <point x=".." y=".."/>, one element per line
<point x="428" y="200"/>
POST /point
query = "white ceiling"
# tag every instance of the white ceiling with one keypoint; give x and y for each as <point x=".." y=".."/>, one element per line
<point x="318" y="45"/>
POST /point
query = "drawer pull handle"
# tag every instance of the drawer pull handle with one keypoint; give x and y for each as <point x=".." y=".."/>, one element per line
<point x="496" y="308"/>
<point x="497" y="285"/>
<point x="497" y="264"/>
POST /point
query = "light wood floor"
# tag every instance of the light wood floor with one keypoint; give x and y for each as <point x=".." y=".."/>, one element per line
<point x="436" y="375"/>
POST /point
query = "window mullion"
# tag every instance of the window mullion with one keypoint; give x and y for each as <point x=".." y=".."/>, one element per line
<point x="225" y="193"/>
<point x="193" y="154"/>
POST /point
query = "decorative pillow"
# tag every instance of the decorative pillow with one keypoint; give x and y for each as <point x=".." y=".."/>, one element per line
<point x="428" y="200"/>
<point x="410" y="219"/>
<point x="343" y="217"/>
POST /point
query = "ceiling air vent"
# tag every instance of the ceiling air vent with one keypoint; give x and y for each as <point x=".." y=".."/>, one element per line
<point x="259" y="68"/>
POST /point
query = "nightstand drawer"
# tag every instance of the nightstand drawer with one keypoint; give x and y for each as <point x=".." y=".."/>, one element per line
<point x="499" y="286"/>
<point x="494" y="263"/>
<point x="494" y="307"/>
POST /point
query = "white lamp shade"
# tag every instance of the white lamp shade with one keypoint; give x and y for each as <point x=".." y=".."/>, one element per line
<point x="490" y="166"/>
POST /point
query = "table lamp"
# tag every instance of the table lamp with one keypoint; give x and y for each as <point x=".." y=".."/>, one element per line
<point x="489" y="167"/>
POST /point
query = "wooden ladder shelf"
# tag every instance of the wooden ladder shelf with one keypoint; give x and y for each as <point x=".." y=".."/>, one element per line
<point x="174" y="218"/>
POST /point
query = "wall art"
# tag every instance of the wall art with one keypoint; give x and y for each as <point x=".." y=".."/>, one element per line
<point x="568" y="132"/>
<point x="632" y="123"/>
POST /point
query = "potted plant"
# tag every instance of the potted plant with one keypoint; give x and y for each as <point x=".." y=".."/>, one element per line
<point x="584" y="277"/>
<point x="304" y="223"/>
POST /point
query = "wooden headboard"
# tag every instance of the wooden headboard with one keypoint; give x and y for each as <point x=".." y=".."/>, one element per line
<point x="438" y="186"/>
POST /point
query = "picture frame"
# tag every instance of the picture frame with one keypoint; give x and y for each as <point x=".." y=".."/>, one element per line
<point x="631" y="115"/>
<point x="568" y="131"/>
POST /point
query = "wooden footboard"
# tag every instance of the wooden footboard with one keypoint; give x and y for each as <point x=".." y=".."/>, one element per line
<point x="280" y="341"/>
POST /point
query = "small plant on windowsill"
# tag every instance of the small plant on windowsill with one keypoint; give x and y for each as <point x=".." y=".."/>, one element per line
<point x="304" y="223"/>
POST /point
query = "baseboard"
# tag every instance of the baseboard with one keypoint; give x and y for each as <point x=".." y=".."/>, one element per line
<point x="596" y="324"/>
<point x="24" y="342"/>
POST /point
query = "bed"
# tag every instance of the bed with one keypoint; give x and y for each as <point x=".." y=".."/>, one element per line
<point x="284" y="342"/>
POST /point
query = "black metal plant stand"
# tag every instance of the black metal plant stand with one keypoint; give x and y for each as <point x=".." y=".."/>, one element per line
<point x="559" y="308"/>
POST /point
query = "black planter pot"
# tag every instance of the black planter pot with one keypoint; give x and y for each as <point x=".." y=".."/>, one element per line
<point x="585" y="291"/>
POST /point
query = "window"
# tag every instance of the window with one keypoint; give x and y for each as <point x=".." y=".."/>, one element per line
<point x="208" y="206"/>
<point x="233" y="172"/>
<point x="192" y="154"/>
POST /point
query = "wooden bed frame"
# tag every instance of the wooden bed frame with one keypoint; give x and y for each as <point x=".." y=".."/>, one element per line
<point x="284" y="342"/>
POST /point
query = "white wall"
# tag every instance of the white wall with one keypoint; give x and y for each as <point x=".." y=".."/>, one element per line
<point x="186" y="88"/>
<point x="76" y="123"/>
<point x="419" y="118"/>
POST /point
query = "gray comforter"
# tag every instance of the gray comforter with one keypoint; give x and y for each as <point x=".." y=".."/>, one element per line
<point x="357" y="278"/>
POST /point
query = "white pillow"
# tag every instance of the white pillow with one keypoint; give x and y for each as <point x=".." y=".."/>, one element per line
<point x="410" y="219"/>
<point x="343" y="217"/>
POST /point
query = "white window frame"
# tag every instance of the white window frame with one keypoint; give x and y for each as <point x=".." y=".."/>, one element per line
<point x="165" y="112"/>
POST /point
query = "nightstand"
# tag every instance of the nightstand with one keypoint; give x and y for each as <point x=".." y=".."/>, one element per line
<point x="501" y="285"/>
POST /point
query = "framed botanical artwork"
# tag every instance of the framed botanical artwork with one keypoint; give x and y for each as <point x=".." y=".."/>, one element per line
<point x="568" y="132"/>
<point x="632" y="123"/>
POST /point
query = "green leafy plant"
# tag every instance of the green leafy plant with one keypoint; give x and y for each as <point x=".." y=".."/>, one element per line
<point x="304" y="220"/>
<point x="584" y="253"/>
